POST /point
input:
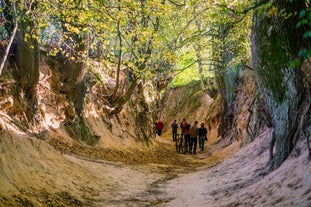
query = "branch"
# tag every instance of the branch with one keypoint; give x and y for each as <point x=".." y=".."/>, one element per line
<point x="188" y="25"/>
<point x="188" y="66"/>
<point x="176" y="4"/>
<point x="119" y="38"/>
<point x="7" y="50"/>
<point x="196" y="35"/>
<point x="255" y="6"/>
<point x="248" y="67"/>
<point x="244" y="12"/>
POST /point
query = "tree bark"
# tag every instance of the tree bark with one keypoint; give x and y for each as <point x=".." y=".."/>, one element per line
<point x="276" y="41"/>
<point x="73" y="79"/>
<point x="27" y="61"/>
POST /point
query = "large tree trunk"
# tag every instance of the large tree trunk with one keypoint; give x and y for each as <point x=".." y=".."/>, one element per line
<point x="226" y="79"/>
<point x="275" y="41"/>
<point x="74" y="86"/>
<point x="27" y="61"/>
<point x="73" y="79"/>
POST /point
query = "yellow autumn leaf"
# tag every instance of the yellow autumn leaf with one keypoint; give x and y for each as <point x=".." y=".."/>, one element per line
<point x="273" y="12"/>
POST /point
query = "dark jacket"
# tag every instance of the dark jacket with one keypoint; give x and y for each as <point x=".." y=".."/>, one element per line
<point x="202" y="132"/>
<point x="174" y="126"/>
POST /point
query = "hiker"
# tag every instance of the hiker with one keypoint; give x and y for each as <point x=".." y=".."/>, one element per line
<point x="159" y="127"/>
<point x="194" y="132"/>
<point x="202" y="137"/>
<point x="183" y="125"/>
<point x="174" y="126"/>
<point x="185" y="133"/>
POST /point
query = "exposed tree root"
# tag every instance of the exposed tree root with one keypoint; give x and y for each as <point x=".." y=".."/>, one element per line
<point x="270" y="163"/>
<point x="300" y="131"/>
<point x="249" y="129"/>
<point x="20" y="126"/>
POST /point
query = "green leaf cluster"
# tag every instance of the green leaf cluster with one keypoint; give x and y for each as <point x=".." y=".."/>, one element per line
<point x="150" y="39"/>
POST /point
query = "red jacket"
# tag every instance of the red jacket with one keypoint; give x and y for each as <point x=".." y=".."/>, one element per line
<point x="159" y="125"/>
<point x="183" y="126"/>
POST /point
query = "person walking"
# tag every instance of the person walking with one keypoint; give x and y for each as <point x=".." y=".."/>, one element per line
<point x="159" y="127"/>
<point x="174" y="126"/>
<point x="185" y="127"/>
<point x="202" y="137"/>
<point x="194" y="132"/>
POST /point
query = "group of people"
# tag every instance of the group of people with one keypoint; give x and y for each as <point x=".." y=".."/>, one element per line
<point x="191" y="134"/>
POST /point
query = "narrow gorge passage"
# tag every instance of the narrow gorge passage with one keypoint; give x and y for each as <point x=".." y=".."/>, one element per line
<point x="63" y="173"/>
<point x="85" y="85"/>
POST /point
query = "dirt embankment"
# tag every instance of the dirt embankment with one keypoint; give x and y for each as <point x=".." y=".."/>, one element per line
<point x="37" y="172"/>
<point x="243" y="180"/>
<point x="56" y="171"/>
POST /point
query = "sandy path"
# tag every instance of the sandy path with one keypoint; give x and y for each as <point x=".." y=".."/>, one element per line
<point x="33" y="173"/>
<point x="241" y="181"/>
<point x="114" y="184"/>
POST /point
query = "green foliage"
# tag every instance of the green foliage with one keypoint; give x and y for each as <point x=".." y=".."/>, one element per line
<point x="304" y="22"/>
<point x="185" y="73"/>
<point x="150" y="30"/>
<point x="278" y="50"/>
<point x="190" y="99"/>
<point x="187" y="76"/>
<point x="274" y="57"/>
<point x="151" y="39"/>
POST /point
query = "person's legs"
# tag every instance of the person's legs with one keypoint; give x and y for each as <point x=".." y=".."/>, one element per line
<point x="174" y="136"/>
<point x="159" y="131"/>
<point x="203" y="141"/>
<point x="200" y="144"/>
<point x="187" y="142"/>
<point x="191" y="144"/>
<point x="195" y="142"/>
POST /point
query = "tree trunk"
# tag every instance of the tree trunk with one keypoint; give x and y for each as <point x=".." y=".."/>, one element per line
<point x="74" y="86"/>
<point x="225" y="79"/>
<point x="72" y="77"/>
<point x="275" y="41"/>
<point x="27" y="61"/>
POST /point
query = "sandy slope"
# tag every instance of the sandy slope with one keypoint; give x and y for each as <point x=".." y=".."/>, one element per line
<point x="33" y="173"/>
<point x="242" y="181"/>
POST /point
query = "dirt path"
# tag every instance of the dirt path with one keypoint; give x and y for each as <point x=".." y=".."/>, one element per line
<point x="33" y="173"/>
<point x="56" y="172"/>
<point x="242" y="180"/>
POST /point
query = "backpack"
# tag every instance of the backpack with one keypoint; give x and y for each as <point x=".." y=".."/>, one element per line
<point x="202" y="131"/>
<point x="184" y="125"/>
<point x="187" y="126"/>
<point x="193" y="131"/>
